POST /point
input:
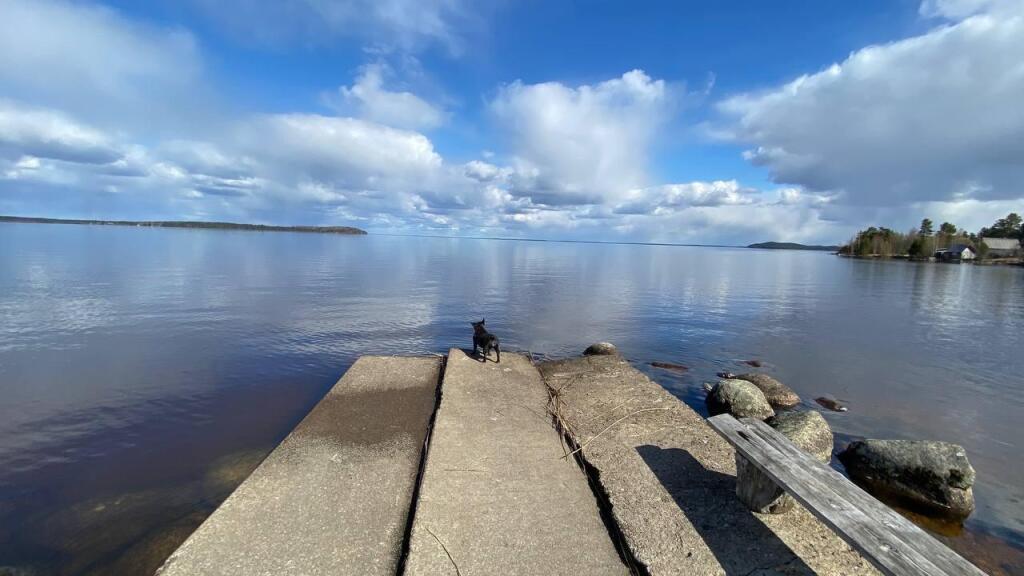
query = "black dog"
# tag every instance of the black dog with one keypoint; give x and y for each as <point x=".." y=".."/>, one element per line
<point x="484" y="340"/>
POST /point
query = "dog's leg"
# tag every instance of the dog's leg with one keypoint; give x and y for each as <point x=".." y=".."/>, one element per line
<point x="498" y="352"/>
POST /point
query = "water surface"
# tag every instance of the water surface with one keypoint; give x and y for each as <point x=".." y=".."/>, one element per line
<point x="144" y="372"/>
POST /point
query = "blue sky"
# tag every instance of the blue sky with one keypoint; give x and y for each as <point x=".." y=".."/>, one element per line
<point x="709" y="122"/>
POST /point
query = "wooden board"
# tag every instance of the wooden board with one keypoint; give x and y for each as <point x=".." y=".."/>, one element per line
<point x="891" y="542"/>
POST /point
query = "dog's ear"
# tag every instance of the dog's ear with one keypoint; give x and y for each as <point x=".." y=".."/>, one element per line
<point x="482" y="320"/>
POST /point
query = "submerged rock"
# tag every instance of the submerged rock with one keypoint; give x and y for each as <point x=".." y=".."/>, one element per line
<point x="778" y="394"/>
<point x="753" y="363"/>
<point x="601" y="349"/>
<point x="831" y="403"/>
<point x="147" y="554"/>
<point x="740" y="398"/>
<point x="87" y="533"/>
<point x="934" y="478"/>
<point x="808" y="431"/>
<point x="227" y="472"/>
<point x="670" y="366"/>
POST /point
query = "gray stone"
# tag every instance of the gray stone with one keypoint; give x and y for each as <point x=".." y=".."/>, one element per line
<point x="601" y="349"/>
<point x="808" y="431"/>
<point x="497" y="494"/>
<point x="740" y="398"/>
<point x="930" y="477"/>
<point x="778" y="394"/>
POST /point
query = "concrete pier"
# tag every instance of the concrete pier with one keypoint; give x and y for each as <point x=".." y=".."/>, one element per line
<point x="497" y="496"/>
<point x="351" y="490"/>
<point x="334" y="497"/>
<point x="670" y="481"/>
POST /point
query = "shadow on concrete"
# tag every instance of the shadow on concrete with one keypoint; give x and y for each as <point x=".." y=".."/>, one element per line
<point x="741" y="543"/>
<point x="478" y="356"/>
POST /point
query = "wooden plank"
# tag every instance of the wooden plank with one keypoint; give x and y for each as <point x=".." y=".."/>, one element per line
<point x="938" y="554"/>
<point x="888" y="553"/>
<point x="891" y="542"/>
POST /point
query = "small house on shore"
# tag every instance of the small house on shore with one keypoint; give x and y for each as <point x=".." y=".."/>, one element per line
<point x="955" y="252"/>
<point x="1002" y="247"/>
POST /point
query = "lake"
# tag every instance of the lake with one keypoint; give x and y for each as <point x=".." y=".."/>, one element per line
<point x="144" y="372"/>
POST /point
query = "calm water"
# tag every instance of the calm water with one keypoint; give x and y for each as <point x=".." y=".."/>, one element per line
<point x="144" y="372"/>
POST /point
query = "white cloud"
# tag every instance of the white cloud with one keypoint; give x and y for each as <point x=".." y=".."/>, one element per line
<point x="582" y="144"/>
<point x="485" y="172"/>
<point x="42" y="133"/>
<point x="347" y="152"/>
<point x="960" y="9"/>
<point x="936" y="117"/>
<point x="670" y="197"/>
<point x="386" y="25"/>
<point x="113" y="129"/>
<point x="368" y="98"/>
<point x="87" y="59"/>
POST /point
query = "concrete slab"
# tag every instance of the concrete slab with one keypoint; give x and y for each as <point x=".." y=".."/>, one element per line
<point x="496" y="496"/>
<point x="671" y="483"/>
<point x="334" y="497"/>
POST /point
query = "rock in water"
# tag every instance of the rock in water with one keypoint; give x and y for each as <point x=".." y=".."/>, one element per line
<point x="753" y="363"/>
<point x="670" y="366"/>
<point x="933" y="478"/>
<point x="740" y="398"/>
<point x="808" y="430"/>
<point x="601" y="349"/>
<point x="778" y="394"/>
<point x="811" y="433"/>
<point x="831" y="403"/>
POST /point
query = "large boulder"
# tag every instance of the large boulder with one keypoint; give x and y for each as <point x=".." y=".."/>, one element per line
<point x="778" y="394"/>
<point x="739" y="398"/>
<point x="601" y="349"/>
<point x="933" y="478"/>
<point x="808" y="431"/>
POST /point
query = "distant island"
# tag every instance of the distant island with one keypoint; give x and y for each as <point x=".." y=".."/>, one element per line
<point x="189" y="224"/>
<point x="792" y="246"/>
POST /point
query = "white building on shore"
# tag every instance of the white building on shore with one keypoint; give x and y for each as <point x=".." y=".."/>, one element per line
<point x="1002" y="247"/>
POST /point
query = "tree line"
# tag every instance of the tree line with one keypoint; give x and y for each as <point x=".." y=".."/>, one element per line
<point x="925" y="240"/>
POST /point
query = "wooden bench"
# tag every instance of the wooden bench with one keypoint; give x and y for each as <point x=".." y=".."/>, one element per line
<point x="884" y="537"/>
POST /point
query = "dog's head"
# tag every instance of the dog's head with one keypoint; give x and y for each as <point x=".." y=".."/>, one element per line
<point x="479" y="326"/>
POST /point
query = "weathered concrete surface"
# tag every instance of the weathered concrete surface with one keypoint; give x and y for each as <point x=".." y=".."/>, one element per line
<point x="671" y="481"/>
<point x="334" y="497"/>
<point x="496" y="492"/>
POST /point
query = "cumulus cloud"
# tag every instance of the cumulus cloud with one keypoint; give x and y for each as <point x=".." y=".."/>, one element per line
<point x="368" y="99"/>
<point x="485" y="172"/>
<point x="670" y="197"/>
<point x="42" y="133"/>
<point x="112" y="133"/>
<point x="348" y="152"/>
<point x="935" y="117"/>
<point x="88" y="59"/>
<point x="584" y="144"/>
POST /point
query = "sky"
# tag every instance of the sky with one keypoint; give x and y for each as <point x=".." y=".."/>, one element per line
<point x="710" y="122"/>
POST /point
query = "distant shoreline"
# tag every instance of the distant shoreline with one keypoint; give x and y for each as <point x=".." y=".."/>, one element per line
<point x="190" y="224"/>
<point x="793" y="246"/>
